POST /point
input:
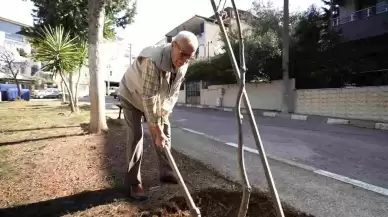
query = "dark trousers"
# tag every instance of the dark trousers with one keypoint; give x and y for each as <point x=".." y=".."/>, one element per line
<point x="134" y="148"/>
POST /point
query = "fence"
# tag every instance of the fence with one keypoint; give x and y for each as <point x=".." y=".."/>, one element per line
<point x="266" y="96"/>
<point x="366" y="103"/>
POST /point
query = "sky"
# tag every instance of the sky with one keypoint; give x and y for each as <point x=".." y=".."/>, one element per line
<point x="154" y="17"/>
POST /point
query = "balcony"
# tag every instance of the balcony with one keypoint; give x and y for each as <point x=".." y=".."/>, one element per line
<point x="365" y="23"/>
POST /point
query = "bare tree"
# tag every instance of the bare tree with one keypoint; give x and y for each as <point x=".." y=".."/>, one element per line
<point x="11" y="67"/>
<point x="239" y="72"/>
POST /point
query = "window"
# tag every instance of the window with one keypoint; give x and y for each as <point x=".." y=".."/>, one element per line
<point x="10" y="30"/>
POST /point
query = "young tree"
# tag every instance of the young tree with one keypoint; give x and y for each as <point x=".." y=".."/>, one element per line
<point x="58" y="51"/>
<point x="11" y="66"/>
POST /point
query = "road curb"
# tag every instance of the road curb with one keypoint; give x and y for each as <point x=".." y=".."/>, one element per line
<point x="344" y="179"/>
<point x="301" y="117"/>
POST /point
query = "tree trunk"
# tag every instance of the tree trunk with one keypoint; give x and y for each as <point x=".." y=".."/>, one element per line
<point x="72" y="90"/>
<point x="63" y="92"/>
<point x="19" y="88"/>
<point x="77" y="87"/>
<point x="96" y="91"/>
<point x="71" y="98"/>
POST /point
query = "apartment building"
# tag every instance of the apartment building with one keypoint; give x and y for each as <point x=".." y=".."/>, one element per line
<point x="117" y="57"/>
<point x="208" y="31"/>
<point x="359" y="19"/>
<point x="11" y="41"/>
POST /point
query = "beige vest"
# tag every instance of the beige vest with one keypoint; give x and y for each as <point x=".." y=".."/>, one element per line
<point x="131" y="89"/>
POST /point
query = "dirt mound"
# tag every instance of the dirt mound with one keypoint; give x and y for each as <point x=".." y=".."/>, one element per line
<point x="217" y="202"/>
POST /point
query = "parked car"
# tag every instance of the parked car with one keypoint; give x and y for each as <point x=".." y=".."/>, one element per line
<point x="49" y="93"/>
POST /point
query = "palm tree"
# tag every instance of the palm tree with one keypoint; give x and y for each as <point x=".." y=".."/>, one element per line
<point x="59" y="52"/>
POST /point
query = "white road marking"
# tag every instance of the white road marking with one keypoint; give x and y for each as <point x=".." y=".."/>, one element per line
<point x="181" y="120"/>
<point x="254" y="151"/>
<point x="354" y="182"/>
<point x="193" y="131"/>
<point x="328" y="174"/>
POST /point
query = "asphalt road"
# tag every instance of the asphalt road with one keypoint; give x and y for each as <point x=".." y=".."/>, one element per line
<point x="306" y="191"/>
<point x="357" y="153"/>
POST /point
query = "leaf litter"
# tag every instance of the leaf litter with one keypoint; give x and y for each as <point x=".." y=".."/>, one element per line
<point x="83" y="175"/>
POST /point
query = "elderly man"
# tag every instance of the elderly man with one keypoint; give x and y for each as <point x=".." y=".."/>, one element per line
<point x="150" y="88"/>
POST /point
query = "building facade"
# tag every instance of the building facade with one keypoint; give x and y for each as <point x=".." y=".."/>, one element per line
<point x="208" y="32"/>
<point x="13" y="42"/>
<point x="116" y="59"/>
<point x="359" y="19"/>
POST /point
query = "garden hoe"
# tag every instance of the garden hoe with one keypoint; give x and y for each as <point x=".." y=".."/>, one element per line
<point x="189" y="200"/>
<point x="193" y="209"/>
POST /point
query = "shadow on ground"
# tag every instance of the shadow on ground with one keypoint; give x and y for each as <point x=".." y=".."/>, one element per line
<point x="217" y="202"/>
<point x="40" y="139"/>
<point x="214" y="195"/>
<point x="212" y="201"/>
<point x="64" y="205"/>
<point x="40" y="128"/>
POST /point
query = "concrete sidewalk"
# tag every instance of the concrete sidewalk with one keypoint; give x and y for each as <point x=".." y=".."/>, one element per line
<point x="310" y="118"/>
<point x="318" y="195"/>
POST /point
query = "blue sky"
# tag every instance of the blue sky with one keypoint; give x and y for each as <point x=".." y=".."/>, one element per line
<point x="154" y="18"/>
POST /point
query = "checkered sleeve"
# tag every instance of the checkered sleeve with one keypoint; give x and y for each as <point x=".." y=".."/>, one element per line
<point x="150" y="91"/>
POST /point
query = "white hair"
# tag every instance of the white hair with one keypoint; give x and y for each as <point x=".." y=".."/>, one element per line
<point x="193" y="40"/>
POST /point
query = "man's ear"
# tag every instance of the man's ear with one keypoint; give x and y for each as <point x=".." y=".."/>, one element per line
<point x="140" y="60"/>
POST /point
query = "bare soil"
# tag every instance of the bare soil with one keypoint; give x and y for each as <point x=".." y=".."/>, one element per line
<point x="50" y="166"/>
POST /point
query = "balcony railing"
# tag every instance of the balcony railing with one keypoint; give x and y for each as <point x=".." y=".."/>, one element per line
<point x="361" y="14"/>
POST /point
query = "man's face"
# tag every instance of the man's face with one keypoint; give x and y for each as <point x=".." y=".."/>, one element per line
<point x="181" y="52"/>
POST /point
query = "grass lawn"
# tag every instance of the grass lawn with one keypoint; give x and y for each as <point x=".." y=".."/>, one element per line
<point x="50" y="166"/>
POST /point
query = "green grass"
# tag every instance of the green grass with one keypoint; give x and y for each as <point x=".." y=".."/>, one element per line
<point x="29" y="115"/>
<point x="21" y="120"/>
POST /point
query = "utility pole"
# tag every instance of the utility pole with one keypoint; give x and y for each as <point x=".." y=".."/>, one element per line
<point x="285" y="61"/>
<point x="108" y="83"/>
<point x="130" y="53"/>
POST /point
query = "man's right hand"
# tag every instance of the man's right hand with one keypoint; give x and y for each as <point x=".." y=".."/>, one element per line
<point x="158" y="136"/>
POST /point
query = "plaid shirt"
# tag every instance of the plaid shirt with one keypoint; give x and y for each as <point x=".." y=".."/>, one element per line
<point x="155" y="92"/>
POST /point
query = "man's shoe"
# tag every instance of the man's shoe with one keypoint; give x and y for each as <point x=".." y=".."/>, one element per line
<point x="169" y="179"/>
<point x="137" y="193"/>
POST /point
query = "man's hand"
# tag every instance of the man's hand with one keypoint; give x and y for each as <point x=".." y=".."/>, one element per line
<point x="158" y="136"/>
